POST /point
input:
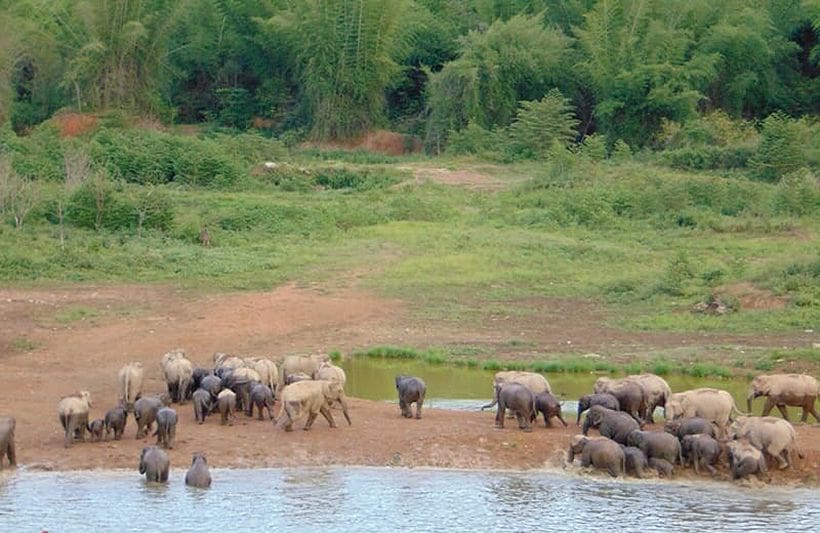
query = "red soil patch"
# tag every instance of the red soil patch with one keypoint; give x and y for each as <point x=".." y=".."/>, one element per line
<point x="74" y="124"/>
<point x="751" y="297"/>
<point x="379" y="141"/>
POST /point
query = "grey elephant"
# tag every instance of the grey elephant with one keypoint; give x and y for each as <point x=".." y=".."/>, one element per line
<point x="701" y="451"/>
<point x="73" y="413"/>
<point x="241" y="385"/>
<point x="197" y="375"/>
<point x="145" y="412"/>
<point x="226" y="402"/>
<point x="662" y="466"/>
<point x="656" y="444"/>
<point x="212" y="384"/>
<point x="532" y="380"/>
<point x="296" y="377"/>
<point x="636" y="462"/>
<point x="203" y="404"/>
<point x="630" y="394"/>
<point x="603" y="399"/>
<point x="198" y="475"/>
<point x="411" y="390"/>
<point x="7" y="449"/>
<point x="166" y="427"/>
<point x="96" y="428"/>
<point x="115" y="420"/>
<point x="548" y="406"/>
<point x="781" y="390"/>
<point x="692" y="425"/>
<point x="601" y="453"/>
<point x="745" y="460"/>
<point x="261" y="398"/>
<point x="615" y="425"/>
<point x="518" y="399"/>
<point x="311" y="398"/>
<point x="772" y="435"/>
<point x="154" y="463"/>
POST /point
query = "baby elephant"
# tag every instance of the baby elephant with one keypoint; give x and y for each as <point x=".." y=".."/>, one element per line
<point x="692" y="425"/>
<point x="518" y="399"/>
<point x="166" y="427"/>
<point x="7" y="424"/>
<point x="226" y="401"/>
<point x="635" y="461"/>
<point x="262" y="398"/>
<point x="198" y="475"/>
<point x="664" y="467"/>
<point x="154" y="463"/>
<point x="604" y="400"/>
<point x="115" y="420"/>
<point x="745" y="459"/>
<point x="96" y="428"/>
<point x="702" y="451"/>
<point x="411" y="390"/>
<point x="547" y="405"/>
<point x="602" y="453"/>
<point x="203" y="404"/>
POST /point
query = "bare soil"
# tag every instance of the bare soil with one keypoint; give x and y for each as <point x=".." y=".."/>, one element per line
<point x="54" y="341"/>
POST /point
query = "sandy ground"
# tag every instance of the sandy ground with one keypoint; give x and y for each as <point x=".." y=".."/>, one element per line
<point x="54" y="342"/>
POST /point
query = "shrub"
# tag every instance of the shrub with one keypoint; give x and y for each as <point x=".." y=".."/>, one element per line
<point x="472" y="139"/>
<point x="798" y="193"/>
<point x="782" y="147"/>
<point x="541" y="124"/>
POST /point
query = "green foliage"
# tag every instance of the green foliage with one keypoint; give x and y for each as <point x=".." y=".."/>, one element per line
<point x="593" y="148"/>
<point x="541" y="124"/>
<point x="473" y="139"/>
<point x="782" y="149"/>
<point x="38" y="155"/>
<point x="798" y="194"/>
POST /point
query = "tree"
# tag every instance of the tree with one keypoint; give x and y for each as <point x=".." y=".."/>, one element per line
<point x="77" y="169"/>
<point x="17" y="194"/>
<point x="541" y="124"/>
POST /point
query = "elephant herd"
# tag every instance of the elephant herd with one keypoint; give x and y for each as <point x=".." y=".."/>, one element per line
<point x="702" y="425"/>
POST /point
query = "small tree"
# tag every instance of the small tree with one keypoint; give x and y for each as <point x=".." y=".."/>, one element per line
<point x="17" y="195"/>
<point x="101" y="189"/>
<point x="77" y="169"/>
<point x="782" y="147"/>
<point x="539" y="124"/>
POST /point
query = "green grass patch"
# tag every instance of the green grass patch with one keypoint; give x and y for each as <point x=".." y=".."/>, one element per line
<point x="22" y="344"/>
<point x="73" y="314"/>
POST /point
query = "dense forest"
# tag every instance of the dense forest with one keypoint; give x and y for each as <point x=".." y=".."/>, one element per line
<point x="472" y="75"/>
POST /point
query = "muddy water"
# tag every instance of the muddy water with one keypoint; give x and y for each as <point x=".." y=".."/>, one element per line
<point x="465" y="388"/>
<point x="373" y="499"/>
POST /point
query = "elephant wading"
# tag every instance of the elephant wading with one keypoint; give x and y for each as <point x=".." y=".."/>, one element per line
<point x="518" y="399"/>
<point x="780" y="390"/>
<point x="714" y="405"/>
<point x="774" y="436"/>
<point x="411" y="390"/>
<point x="7" y="424"/>
<point x="310" y="398"/>
<point x="129" y="380"/>
<point x="73" y="413"/>
<point x="601" y="453"/>
<point x="154" y="463"/>
<point x="615" y="425"/>
<point x="536" y="383"/>
<point x="198" y="475"/>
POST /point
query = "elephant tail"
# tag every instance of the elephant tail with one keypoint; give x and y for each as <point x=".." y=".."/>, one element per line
<point x="736" y="411"/>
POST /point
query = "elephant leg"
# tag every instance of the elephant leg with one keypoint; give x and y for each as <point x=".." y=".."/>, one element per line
<point x="418" y="407"/>
<point x="328" y="415"/>
<point x="613" y="470"/>
<point x="404" y="408"/>
<point x="813" y="411"/>
<point x="782" y="408"/>
<point x="69" y="435"/>
<point x="499" y="416"/>
<point x="11" y="453"/>
<point x="768" y="406"/>
<point x="561" y="418"/>
<point x="311" y="417"/>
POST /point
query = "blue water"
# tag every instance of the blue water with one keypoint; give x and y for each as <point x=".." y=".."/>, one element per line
<point x="384" y="499"/>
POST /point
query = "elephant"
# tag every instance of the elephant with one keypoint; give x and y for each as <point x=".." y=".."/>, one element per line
<point x="203" y="404"/>
<point x="662" y="466"/>
<point x="130" y="380"/>
<point x="73" y="413"/>
<point x="536" y="383"/>
<point x="701" y="451"/>
<point x="166" y="427"/>
<point x="656" y="444"/>
<point x="689" y="426"/>
<point x="268" y="373"/>
<point x="197" y="376"/>
<point x="95" y="429"/>
<point x="240" y="383"/>
<point x="154" y="463"/>
<point x="714" y="405"/>
<point x="601" y="453"/>
<point x="145" y="412"/>
<point x="311" y="398"/>
<point x="226" y="402"/>
<point x="769" y="434"/>
<point x="635" y="461"/>
<point x="212" y="384"/>
<point x="613" y="424"/>
<point x="548" y="406"/>
<point x="7" y="448"/>
<point x="656" y="393"/>
<point x="630" y="394"/>
<point x="198" y="474"/>
<point x="115" y="420"/>
<point x="226" y="363"/>
<point x="178" y="372"/>
<point x="306" y="364"/>
<point x="411" y="390"/>
<point x="518" y="399"/>
<point x="798" y="390"/>
<point x="745" y="459"/>
<point x="298" y="376"/>
<point x="262" y="398"/>
<point x="603" y="399"/>
<point x="330" y="372"/>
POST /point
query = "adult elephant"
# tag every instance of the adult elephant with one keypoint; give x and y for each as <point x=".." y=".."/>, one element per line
<point x="198" y="475"/>
<point x="588" y="400"/>
<point x="781" y="390"/>
<point x="330" y="372"/>
<point x="772" y="435"/>
<point x="154" y="463"/>
<point x="601" y="453"/>
<point x="73" y="412"/>
<point x="657" y="444"/>
<point x="178" y="372"/>
<point x="630" y="394"/>
<point x="536" y="383"/>
<point x="714" y="405"/>
<point x="268" y="373"/>
<point x="656" y="393"/>
<point x="615" y="425"/>
<point x="305" y="364"/>
<point x="518" y="399"/>
<point x="7" y="449"/>
<point x="311" y="398"/>
<point x="130" y="379"/>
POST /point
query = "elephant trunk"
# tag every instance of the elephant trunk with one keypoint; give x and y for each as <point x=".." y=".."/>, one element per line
<point x="751" y="396"/>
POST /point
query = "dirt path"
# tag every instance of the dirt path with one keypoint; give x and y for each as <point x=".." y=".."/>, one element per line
<point x="54" y="342"/>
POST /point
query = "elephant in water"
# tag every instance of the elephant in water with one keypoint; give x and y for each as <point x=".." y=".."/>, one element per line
<point x="599" y="452"/>
<point x="73" y="413"/>
<point x="745" y="459"/>
<point x="154" y="463"/>
<point x="198" y="475"/>
<point x="7" y="424"/>
<point x="772" y="435"/>
<point x="780" y="390"/>
<point x="411" y="390"/>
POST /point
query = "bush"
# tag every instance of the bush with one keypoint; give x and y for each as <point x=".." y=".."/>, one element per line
<point x="708" y="157"/>
<point x="798" y="193"/>
<point x="782" y="147"/>
<point x="38" y="155"/>
<point x="473" y="139"/>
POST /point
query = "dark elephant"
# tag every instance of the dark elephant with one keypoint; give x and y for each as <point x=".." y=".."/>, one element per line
<point x="631" y="399"/>
<point x="262" y="398"/>
<point x="7" y="449"/>
<point x="601" y="453"/>
<point x="203" y="404"/>
<point x="411" y="390"/>
<point x="613" y="424"/>
<point x="635" y="461"/>
<point x="212" y="384"/>
<point x="692" y="425"/>
<point x="197" y="376"/>
<point x="662" y="466"/>
<point x="241" y="386"/>
<point x="166" y="427"/>
<point x="518" y="399"/>
<point x="95" y="429"/>
<point x="145" y="412"/>
<point x="115" y="420"/>
<point x="604" y="400"/>
<point x="548" y="406"/>
<point x="701" y="451"/>
<point x="656" y="444"/>
<point x="154" y="463"/>
<point x="198" y="475"/>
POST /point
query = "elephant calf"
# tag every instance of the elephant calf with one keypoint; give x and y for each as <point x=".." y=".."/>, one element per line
<point x="662" y="466"/>
<point x="7" y="424"/>
<point x="166" y="427"/>
<point x="518" y="399"/>
<point x="261" y="398"/>
<point x="203" y="404"/>
<point x="198" y="475"/>
<point x="95" y="429"/>
<point x="701" y="450"/>
<point x="603" y="399"/>
<point x="769" y="434"/>
<point x="656" y="445"/>
<point x="226" y="401"/>
<point x="601" y="453"/>
<point x="548" y="406"/>
<point x="692" y="425"/>
<point x="411" y="390"/>
<point x="115" y="420"/>
<point x="745" y="459"/>
<point x="635" y="461"/>
<point x="154" y="463"/>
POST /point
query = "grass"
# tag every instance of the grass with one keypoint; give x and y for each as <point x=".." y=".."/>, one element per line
<point x="73" y="314"/>
<point x="22" y="344"/>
